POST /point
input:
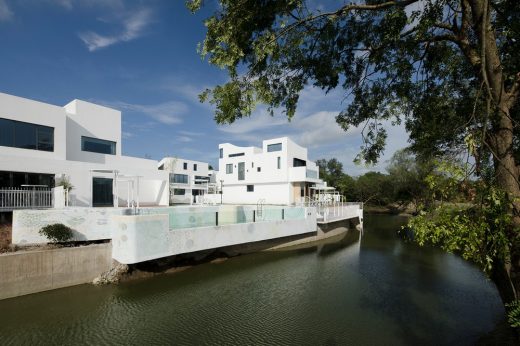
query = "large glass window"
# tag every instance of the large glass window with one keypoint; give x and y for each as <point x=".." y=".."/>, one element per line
<point x="17" y="179"/>
<point x="299" y="163"/>
<point x="221" y="153"/>
<point x="97" y="145"/>
<point x="6" y="133"/>
<point x="199" y="179"/>
<point x="229" y="168"/>
<point x="274" y="147"/>
<point x="311" y="174"/>
<point x="179" y="178"/>
<point x="102" y="194"/>
<point x="179" y="192"/>
<point x="241" y="170"/>
<point x="45" y="138"/>
<point x="18" y="134"/>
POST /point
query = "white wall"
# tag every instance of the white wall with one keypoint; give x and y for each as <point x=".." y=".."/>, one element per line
<point x="145" y="237"/>
<point x="20" y="109"/>
<point x="153" y="183"/>
<point x="176" y="165"/>
<point x="272" y="193"/>
<point x="76" y="119"/>
<point x="91" y="120"/>
<point x="272" y="183"/>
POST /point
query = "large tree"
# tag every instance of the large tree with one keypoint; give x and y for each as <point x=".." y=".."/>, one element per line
<point x="448" y="69"/>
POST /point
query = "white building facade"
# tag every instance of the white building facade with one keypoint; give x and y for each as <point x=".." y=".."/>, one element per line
<point x="41" y="144"/>
<point x="277" y="173"/>
<point x="188" y="179"/>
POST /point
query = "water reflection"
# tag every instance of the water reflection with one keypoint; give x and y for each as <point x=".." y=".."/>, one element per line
<point x="373" y="291"/>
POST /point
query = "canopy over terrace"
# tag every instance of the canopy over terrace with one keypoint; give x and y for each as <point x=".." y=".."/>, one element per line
<point x="324" y="192"/>
<point x="132" y="189"/>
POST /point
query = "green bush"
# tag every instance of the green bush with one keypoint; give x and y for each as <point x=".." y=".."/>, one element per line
<point x="513" y="313"/>
<point x="57" y="232"/>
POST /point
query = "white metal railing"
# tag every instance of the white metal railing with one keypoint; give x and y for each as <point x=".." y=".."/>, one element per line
<point x="29" y="198"/>
<point x="333" y="206"/>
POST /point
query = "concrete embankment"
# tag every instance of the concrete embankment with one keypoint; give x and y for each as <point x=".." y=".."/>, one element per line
<point x="26" y="272"/>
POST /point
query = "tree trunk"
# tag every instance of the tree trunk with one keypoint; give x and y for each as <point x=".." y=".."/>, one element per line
<point x="507" y="275"/>
<point x="489" y="71"/>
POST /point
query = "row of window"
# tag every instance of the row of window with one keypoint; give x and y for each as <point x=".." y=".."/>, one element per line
<point x="17" y="179"/>
<point x="185" y="166"/>
<point x="18" y="134"/>
<point x="270" y="148"/>
<point x="241" y="167"/>
<point x="179" y="178"/>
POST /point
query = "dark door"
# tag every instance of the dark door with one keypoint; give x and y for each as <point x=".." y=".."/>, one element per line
<point x="102" y="194"/>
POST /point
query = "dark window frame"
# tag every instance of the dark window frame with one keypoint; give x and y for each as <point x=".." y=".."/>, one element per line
<point x="250" y="188"/>
<point x="85" y="141"/>
<point x="274" y="147"/>
<point x="179" y="179"/>
<point x="9" y="136"/>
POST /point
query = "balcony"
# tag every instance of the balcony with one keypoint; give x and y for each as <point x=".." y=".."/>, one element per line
<point x="303" y="174"/>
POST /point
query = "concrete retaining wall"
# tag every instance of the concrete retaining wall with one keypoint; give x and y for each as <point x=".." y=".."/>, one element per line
<point x="28" y="272"/>
<point x="141" y="238"/>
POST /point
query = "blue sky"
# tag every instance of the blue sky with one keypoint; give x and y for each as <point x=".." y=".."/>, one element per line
<point x="141" y="57"/>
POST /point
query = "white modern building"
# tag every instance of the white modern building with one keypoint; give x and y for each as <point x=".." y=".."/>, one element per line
<point x="41" y="144"/>
<point x="187" y="179"/>
<point x="278" y="173"/>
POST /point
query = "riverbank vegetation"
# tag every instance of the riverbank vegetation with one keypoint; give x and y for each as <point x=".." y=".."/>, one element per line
<point x="449" y="70"/>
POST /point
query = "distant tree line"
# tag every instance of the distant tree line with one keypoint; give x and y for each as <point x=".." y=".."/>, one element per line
<point x="408" y="183"/>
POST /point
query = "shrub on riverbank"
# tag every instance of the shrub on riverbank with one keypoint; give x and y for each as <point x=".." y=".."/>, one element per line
<point x="56" y="233"/>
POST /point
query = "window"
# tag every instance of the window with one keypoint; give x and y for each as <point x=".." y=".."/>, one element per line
<point x="236" y="155"/>
<point x="17" y="179"/>
<point x="252" y="165"/>
<point x="102" y="195"/>
<point x="274" y="147"/>
<point x="299" y="163"/>
<point x="229" y="168"/>
<point x="161" y="167"/>
<point x="194" y="166"/>
<point x="199" y="179"/>
<point x="96" y="145"/>
<point x="279" y="162"/>
<point x="258" y="169"/>
<point x="221" y="153"/>
<point x="250" y="188"/>
<point x="311" y="174"/>
<point x="185" y="165"/>
<point x="18" y="134"/>
<point x="241" y="170"/>
<point x="179" y="192"/>
<point x="179" y="178"/>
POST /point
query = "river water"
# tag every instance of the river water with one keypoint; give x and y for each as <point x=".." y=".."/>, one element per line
<point x="374" y="291"/>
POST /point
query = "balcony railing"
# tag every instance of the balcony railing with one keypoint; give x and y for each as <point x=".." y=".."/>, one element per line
<point x="25" y="198"/>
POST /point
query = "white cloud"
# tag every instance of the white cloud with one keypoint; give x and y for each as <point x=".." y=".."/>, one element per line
<point x="258" y="121"/>
<point x="5" y="12"/>
<point x="70" y="4"/>
<point x="183" y="139"/>
<point x="134" y="25"/>
<point x="167" y="113"/>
